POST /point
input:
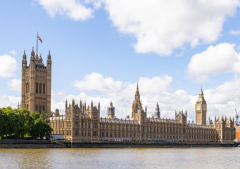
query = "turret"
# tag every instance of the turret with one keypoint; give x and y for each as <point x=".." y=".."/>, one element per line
<point x="157" y="112"/>
<point x="91" y="105"/>
<point x="49" y="61"/>
<point x="99" y="106"/>
<point x="80" y="104"/>
<point x="40" y="59"/>
<point x="73" y="103"/>
<point x="146" y="110"/>
<point x="32" y="55"/>
<point x="49" y="56"/>
<point x="111" y="111"/>
<point x="36" y="56"/>
<point x="24" y="61"/>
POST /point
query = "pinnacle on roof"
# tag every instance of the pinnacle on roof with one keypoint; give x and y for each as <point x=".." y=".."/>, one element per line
<point x="49" y="55"/>
<point x="24" y="55"/>
<point x="201" y="92"/>
<point x="32" y="53"/>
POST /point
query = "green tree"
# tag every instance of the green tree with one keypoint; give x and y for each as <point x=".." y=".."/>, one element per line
<point x="9" y="121"/>
<point x="20" y="122"/>
<point x="44" y="116"/>
<point x="40" y="129"/>
<point x="21" y="119"/>
<point x="2" y="121"/>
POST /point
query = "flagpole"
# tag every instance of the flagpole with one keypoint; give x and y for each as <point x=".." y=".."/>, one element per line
<point x="37" y="43"/>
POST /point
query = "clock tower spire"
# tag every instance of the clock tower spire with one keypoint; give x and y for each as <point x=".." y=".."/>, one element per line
<point x="201" y="109"/>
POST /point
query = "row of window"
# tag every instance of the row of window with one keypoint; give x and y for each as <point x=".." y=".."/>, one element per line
<point x="40" y="88"/>
<point x="119" y="127"/>
<point x="148" y="135"/>
<point x="40" y="108"/>
<point x="86" y="133"/>
<point x="152" y="129"/>
<point x="114" y="134"/>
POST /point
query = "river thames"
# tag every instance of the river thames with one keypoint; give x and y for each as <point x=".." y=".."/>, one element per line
<point x="121" y="158"/>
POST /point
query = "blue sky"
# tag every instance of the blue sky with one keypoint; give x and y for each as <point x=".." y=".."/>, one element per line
<point x="118" y="43"/>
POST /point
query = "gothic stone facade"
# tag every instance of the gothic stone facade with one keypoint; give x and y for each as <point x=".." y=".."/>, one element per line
<point x="82" y="123"/>
<point x="36" y="84"/>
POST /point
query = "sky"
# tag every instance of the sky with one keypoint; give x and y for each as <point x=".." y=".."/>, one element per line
<point x="101" y="48"/>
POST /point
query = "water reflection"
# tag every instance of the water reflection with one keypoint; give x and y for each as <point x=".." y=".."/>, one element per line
<point x="120" y="158"/>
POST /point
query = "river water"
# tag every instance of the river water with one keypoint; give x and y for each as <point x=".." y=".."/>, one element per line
<point x="121" y="158"/>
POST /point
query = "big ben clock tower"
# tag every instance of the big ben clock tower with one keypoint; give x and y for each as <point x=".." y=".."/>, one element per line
<point x="201" y="109"/>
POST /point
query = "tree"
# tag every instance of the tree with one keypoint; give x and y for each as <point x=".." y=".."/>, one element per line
<point x="19" y="123"/>
<point x="2" y="121"/>
<point x="44" y="117"/>
<point x="40" y="129"/>
<point x="20" y="119"/>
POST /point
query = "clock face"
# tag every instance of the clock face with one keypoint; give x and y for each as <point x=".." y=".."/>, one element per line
<point x="198" y="107"/>
<point x="204" y="107"/>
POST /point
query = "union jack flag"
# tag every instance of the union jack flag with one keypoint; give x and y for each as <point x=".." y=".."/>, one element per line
<point x="40" y="39"/>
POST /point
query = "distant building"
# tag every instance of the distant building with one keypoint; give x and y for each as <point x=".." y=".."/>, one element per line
<point x="237" y="130"/>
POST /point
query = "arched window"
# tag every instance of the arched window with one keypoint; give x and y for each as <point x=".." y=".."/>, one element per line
<point x="40" y="87"/>
<point x="36" y="87"/>
<point x="43" y="88"/>
<point x="40" y="110"/>
<point x="36" y="108"/>
<point x="27" y="87"/>
<point x="43" y="108"/>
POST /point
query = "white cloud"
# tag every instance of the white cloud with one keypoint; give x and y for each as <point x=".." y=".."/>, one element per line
<point x="232" y="32"/>
<point x="74" y="9"/>
<point x="13" y="52"/>
<point x="8" y="65"/>
<point x="217" y="59"/>
<point x="12" y="101"/>
<point x="15" y="85"/>
<point x="221" y="100"/>
<point x="160" y="26"/>
<point x="95" y="82"/>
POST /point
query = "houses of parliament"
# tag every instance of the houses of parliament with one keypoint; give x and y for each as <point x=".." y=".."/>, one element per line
<point x="82" y="122"/>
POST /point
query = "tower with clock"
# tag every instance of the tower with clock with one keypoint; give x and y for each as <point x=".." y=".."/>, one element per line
<point x="201" y="109"/>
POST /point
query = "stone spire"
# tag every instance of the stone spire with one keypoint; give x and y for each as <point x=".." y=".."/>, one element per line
<point x="24" y="56"/>
<point x="137" y="94"/>
<point x="36" y="57"/>
<point x="201" y="92"/>
<point x="201" y="95"/>
<point x="49" y="55"/>
<point x="32" y="53"/>
<point x="157" y="112"/>
<point x="40" y="59"/>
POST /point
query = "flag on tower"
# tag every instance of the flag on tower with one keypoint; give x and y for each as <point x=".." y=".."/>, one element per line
<point x="39" y="38"/>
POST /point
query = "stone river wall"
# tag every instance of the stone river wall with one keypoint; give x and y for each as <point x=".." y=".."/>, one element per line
<point x="11" y="143"/>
